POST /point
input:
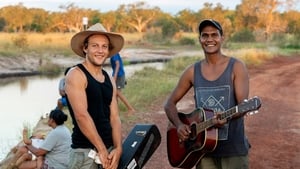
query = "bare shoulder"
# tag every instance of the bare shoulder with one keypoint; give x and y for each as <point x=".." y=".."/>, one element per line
<point x="188" y="71"/>
<point x="75" y="76"/>
<point x="240" y="69"/>
<point x="187" y="76"/>
<point x="239" y="64"/>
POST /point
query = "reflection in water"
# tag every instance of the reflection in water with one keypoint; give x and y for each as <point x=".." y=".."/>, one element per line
<point x="23" y="84"/>
<point x="24" y="100"/>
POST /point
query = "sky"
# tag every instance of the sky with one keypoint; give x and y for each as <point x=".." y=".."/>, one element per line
<point x="169" y="6"/>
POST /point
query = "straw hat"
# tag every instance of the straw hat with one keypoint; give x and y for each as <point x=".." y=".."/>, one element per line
<point x="116" y="40"/>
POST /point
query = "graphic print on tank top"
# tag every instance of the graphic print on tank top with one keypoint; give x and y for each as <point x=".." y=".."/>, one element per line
<point x="216" y="99"/>
<point x="217" y="95"/>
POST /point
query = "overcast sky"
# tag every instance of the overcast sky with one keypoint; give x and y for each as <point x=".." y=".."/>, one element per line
<point x="170" y="6"/>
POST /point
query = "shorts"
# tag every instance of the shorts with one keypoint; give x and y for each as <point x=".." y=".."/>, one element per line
<point x="79" y="159"/>
<point x="63" y="101"/>
<point x="121" y="82"/>
<point x="235" y="162"/>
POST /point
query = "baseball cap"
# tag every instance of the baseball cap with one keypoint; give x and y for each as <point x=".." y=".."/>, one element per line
<point x="210" y="22"/>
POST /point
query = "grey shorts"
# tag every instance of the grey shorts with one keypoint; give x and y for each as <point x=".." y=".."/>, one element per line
<point x="79" y="159"/>
<point x="121" y="82"/>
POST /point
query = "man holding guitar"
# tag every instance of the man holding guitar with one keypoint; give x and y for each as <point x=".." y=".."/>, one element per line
<point x="220" y="82"/>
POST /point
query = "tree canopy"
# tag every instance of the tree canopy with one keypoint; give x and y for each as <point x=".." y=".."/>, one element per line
<point x="261" y="17"/>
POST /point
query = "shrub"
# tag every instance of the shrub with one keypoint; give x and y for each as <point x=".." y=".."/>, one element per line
<point x="21" y="41"/>
<point x="244" y="35"/>
<point x="287" y="41"/>
<point x="49" y="68"/>
<point x="187" y="41"/>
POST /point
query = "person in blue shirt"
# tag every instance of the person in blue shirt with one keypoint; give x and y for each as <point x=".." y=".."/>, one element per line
<point x="119" y="76"/>
<point x="62" y="102"/>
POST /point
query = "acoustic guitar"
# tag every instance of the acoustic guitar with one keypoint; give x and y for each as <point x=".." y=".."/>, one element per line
<point x="203" y="137"/>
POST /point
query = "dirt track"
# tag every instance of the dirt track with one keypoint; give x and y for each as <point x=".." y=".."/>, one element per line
<point x="274" y="132"/>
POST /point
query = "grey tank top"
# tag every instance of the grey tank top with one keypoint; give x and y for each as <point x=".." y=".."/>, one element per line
<point x="219" y="96"/>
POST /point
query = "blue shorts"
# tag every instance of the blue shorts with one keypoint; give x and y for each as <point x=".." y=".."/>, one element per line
<point x="63" y="100"/>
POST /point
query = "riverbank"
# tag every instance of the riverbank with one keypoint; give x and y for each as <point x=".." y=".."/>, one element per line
<point x="273" y="81"/>
<point x="26" y="65"/>
<point x="22" y="63"/>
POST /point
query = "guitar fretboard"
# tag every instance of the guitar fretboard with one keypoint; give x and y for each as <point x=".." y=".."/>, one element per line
<point x="210" y="122"/>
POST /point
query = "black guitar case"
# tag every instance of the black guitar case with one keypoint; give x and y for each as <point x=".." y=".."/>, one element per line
<point x="139" y="146"/>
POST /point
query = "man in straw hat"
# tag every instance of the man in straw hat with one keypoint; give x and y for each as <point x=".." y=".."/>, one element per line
<point x="92" y="101"/>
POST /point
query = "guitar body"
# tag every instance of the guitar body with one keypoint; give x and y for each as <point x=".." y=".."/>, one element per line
<point x="203" y="137"/>
<point x="188" y="153"/>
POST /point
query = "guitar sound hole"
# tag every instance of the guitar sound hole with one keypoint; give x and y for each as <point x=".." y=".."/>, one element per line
<point x="193" y="134"/>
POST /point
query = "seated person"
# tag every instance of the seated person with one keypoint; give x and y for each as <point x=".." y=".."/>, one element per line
<point x="56" y="146"/>
<point x="23" y="154"/>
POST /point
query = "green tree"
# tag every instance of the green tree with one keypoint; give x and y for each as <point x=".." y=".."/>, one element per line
<point x="189" y="19"/>
<point x="219" y="14"/>
<point x="72" y="17"/>
<point x="40" y="19"/>
<point x="108" y="20"/>
<point x="261" y="16"/>
<point x="293" y="19"/>
<point x="2" y="23"/>
<point x="16" y="17"/>
<point x="139" y="15"/>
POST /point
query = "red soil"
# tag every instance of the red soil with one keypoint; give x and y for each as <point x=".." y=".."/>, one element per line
<point x="274" y="133"/>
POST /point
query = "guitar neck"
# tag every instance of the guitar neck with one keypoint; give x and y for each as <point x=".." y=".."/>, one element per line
<point x="210" y="122"/>
<point x="229" y="113"/>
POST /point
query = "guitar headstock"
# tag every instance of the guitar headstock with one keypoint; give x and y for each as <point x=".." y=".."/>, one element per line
<point x="250" y="105"/>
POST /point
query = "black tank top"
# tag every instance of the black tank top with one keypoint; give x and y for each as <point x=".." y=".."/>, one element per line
<point x="99" y="96"/>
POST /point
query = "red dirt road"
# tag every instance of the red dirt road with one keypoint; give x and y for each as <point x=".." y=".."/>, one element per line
<point x="274" y="132"/>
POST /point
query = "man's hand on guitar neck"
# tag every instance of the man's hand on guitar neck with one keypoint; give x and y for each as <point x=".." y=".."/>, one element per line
<point x="183" y="132"/>
<point x="218" y="121"/>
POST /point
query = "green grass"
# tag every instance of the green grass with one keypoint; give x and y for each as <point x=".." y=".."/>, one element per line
<point x="149" y="84"/>
<point x="144" y="86"/>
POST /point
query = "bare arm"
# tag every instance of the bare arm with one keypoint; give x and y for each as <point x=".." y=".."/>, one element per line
<point x="116" y="153"/>
<point x="28" y="143"/>
<point x="184" y="84"/>
<point x="36" y="151"/>
<point x="241" y="83"/>
<point x="117" y="68"/>
<point x="76" y="83"/>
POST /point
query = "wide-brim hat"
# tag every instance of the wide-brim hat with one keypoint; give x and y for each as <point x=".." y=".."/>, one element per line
<point x="116" y="40"/>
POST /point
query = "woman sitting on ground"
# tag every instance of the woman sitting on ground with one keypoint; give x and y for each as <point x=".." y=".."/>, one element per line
<point x="23" y="154"/>
<point x="55" y="147"/>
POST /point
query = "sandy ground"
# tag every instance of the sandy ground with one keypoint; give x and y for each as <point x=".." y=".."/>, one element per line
<point x="274" y="132"/>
